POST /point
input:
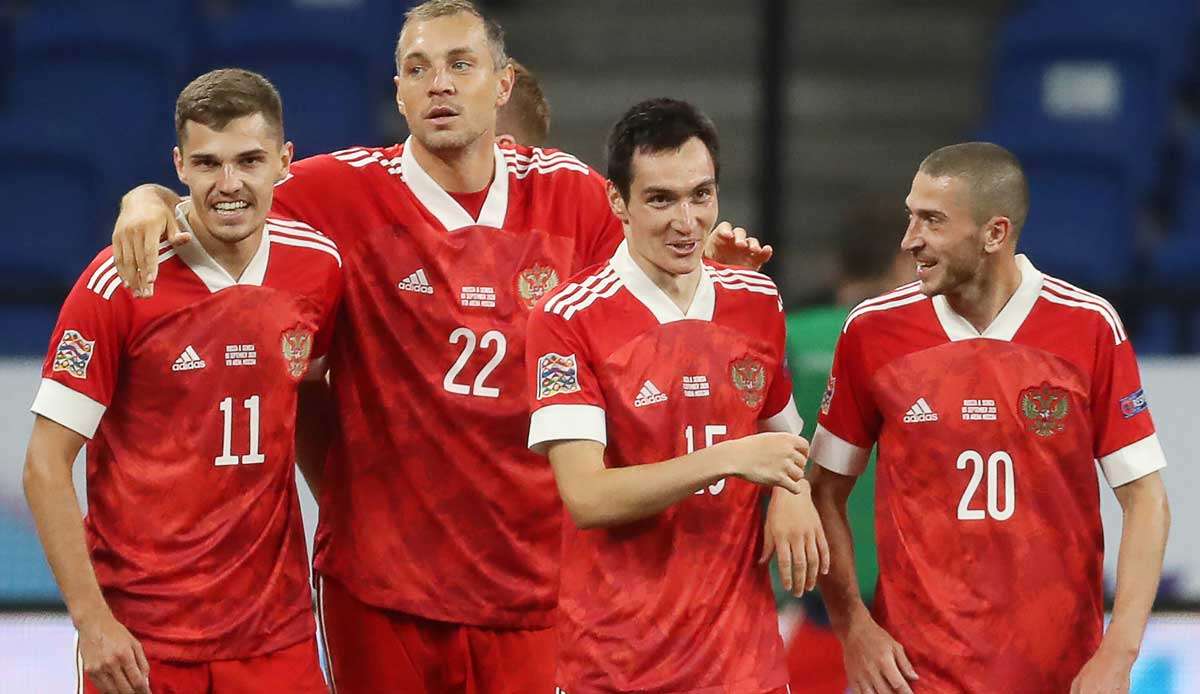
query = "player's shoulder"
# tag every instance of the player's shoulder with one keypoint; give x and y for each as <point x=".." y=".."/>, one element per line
<point x="301" y="242"/>
<point x="900" y="305"/>
<point x="742" y="284"/>
<point x="545" y="166"/>
<point x="100" y="276"/>
<point x="1068" y="306"/>
<point x="355" y="162"/>
<point x="584" y="290"/>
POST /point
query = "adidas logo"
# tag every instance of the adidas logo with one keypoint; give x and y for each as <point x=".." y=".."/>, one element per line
<point x="920" y="412"/>
<point x="416" y="282"/>
<point x="188" y="361"/>
<point x="648" y="395"/>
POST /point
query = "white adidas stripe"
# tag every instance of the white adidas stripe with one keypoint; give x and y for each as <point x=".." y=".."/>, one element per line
<point x="576" y="290"/>
<point x="1118" y="335"/>
<point x="901" y="291"/>
<point x="295" y="224"/>
<point x="351" y="154"/>
<point x="1070" y="291"/>
<point x="882" y="307"/>
<point x="591" y="298"/>
<point x="749" y="276"/>
<point x="521" y="175"/>
<point x="298" y="243"/>
<point x="756" y="288"/>
<point x="104" y="267"/>
<point x="309" y="234"/>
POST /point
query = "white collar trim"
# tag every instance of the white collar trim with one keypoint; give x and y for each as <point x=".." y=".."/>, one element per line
<point x="444" y="207"/>
<point x="656" y="300"/>
<point x="210" y="272"/>
<point x="1010" y="318"/>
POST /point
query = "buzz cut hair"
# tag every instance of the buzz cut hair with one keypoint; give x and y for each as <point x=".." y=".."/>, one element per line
<point x="994" y="177"/>
<point x="433" y="9"/>
<point x="526" y="116"/>
<point x="220" y="96"/>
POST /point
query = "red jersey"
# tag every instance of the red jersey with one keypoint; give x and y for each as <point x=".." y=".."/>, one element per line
<point x="988" y="510"/>
<point x="432" y="505"/>
<point x="676" y="602"/>
<point x="189" y="402"/>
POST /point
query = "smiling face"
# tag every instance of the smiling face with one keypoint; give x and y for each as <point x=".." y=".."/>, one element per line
<point x="943" y="238"/>
<point x="448" y="87"/>
<point x="231" y="173"/>
<point x="672" y="206"/>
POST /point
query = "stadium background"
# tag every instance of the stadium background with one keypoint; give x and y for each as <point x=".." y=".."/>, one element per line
<point x="818" y="103"/>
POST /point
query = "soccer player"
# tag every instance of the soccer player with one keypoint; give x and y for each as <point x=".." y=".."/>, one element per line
<point x="198" y="574"/>
<point x="649" y="376"/>
<point x="525" y="119"/>
<point x="439" y="534"/>
<point x="991" y="390"/>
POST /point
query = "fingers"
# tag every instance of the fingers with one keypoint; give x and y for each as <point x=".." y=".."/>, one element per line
<point x="149" y="251"/>
<point x="823" y="549"/>
<point x="120" y="683"/>
<point x="762" y="256"/>
<point x="768" y="546"/>
<point x="132" y="672"/>
<point x="891" y="672"/>
<point x="783" y="557"/>
<point x="812" y="563"/>
<point x="800" y="569"/>
<point x="124" y="260"/>
<point x="175" y="235"/>
<point x="905" y="666"/>
<point x="142" y="662"/>
<point x="146" y="261"/>
<point x="801" y="444"/>
<point x="724" y="230"/>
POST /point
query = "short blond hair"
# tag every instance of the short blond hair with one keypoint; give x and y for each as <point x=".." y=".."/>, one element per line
<point x="432" y="9"/>
<point x="526" y="116"/>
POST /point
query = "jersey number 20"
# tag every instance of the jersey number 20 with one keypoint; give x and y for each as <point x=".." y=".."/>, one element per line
<point x="996" y="462"/>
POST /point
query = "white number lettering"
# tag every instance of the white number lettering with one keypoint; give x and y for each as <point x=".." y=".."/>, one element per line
<point x="711" y="432"/>
<point x="479" y="387"/>
<point x="254" y="457"/>
<point x="994" y="510"/>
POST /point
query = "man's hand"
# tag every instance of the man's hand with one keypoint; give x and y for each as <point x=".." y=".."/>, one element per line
<point x="731" y="246"/>
<point x="875" y="662"/>
<point x="1107" y="672"/>
<point x="771" y="458"/>
<point x="145" y="219"/>
<point x="112" y="659"/>
<point x="794" y="534"/>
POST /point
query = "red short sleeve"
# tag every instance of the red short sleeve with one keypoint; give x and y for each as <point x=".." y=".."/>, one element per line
<point x="81" y="367"/>
<point x="779" y="409"/>
<point x="849" y="419"/>
<point x="1125" y="442"/>
<point x="565" y="399"/>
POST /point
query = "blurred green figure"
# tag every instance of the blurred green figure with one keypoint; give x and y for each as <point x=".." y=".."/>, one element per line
<point x="869" y="264"/>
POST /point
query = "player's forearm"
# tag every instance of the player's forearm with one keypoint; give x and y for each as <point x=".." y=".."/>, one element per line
<point x="615" y="496"/>
<point x="314" y="416"/>
<point x="839" y="587"/>
<point x="59" y="522"/>
<point x="1147" y="518"/>
<point x="151" y="191"/>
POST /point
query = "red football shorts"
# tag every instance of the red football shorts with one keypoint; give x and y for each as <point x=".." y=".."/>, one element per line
<point x="294" y="669"/>
<point x="372" y="650"/>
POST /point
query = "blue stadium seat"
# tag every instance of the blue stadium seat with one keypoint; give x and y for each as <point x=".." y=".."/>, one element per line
<point x="1067" y="73"/>
<point x="112" y="71"/>
<point x="1177" y="260"/>
<point x="328" y="65"/>
<point x="1082" y="218"/>
<point x="27" y="326"/>
<point x="53" y="196"/>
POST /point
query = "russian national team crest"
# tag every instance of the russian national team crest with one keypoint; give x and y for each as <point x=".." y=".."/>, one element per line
<point x="749" y="376"/>
<point x="827" y="398"/>
<point x="534" y="282"/>
<point x="297" y="346"/>
<point x="558" y="374"/>
<point x="1045" y="407"/>
<point x="73" y="353"/>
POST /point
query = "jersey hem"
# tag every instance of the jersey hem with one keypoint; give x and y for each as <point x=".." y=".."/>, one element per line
<point x="68" y="407"/>
<point x="566" y="423"/>
<point x="1134" y="461"/>
<point x="836" y="454"/>
<point x="299" y="628"/>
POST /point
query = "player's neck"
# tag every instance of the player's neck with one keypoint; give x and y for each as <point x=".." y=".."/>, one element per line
<point x="233" y="257"/>
<point x="982" y="299"/>
<point x="469" y="169"/>
<point x="680" y="289"/>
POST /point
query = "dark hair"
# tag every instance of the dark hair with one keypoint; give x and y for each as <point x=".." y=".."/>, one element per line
<point x="526" y="116"/>
<point x="657" y="125"/>
<point x="993" y="175"/>
<point x="217" y="97"/>
<point x="869" y="234"/>
<point x="433" y="9"/>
